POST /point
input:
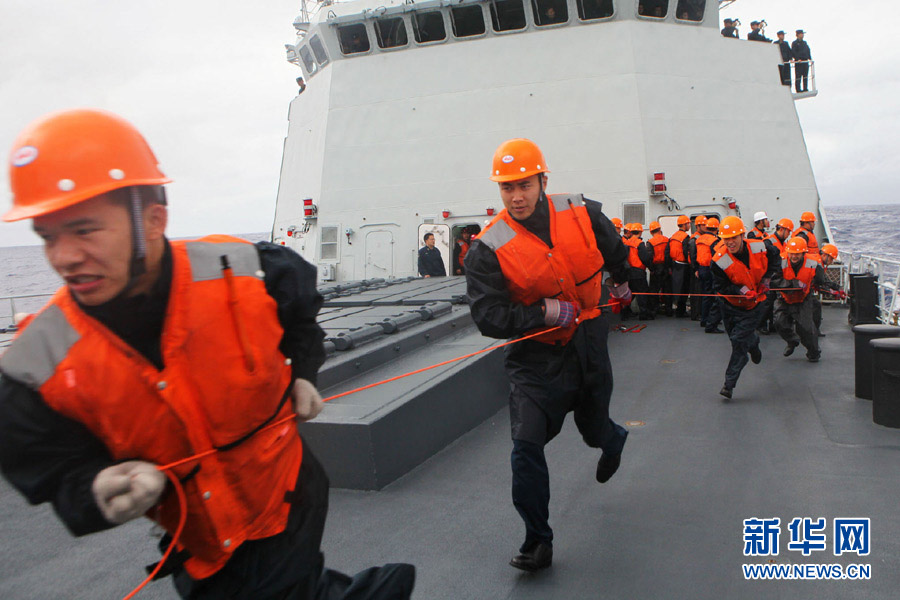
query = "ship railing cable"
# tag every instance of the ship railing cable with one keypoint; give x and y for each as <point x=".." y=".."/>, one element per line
<point x="887" y="282"/>
<point x="24" y="304"/>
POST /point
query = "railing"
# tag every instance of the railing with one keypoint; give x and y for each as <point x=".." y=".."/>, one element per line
<point x="888" y="272"/>
<point x="810" y="90"/>
<point x="838" y="273"/>
<point x="26" y="303"/>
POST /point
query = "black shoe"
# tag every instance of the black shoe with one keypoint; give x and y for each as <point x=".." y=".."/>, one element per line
<point x="670" y="313"/>
<point x="813" y="357"/>
<point x="702" y="323"/>
<point x="714" y="330"/>
<point x="790" y="348"/>
<point x="680" y="315"/>
<point x="821" y="334"/>
<point x="725" y="391"/>
<point x="648" y="317"/>
<point x="756" y="354"/>
<point x="539" y="557"/>
<point x="607" y="466"/>
<point x="764" y="331"/>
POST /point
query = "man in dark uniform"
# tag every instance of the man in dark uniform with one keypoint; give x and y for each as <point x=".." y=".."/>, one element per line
<point x="431" y="264"/>
<point x="696" y="287"/>
<point x="681" y="271"/>
<point x="522" y="272"/>
<point x="139" y="361"/>
<point x="741" y="271"/>
<point x="729" y="30"/>
<point x="756" y="33"/>
<point x="786" y="56"/>
<point x="802" y="56"/>
<point x="460" y="249"/>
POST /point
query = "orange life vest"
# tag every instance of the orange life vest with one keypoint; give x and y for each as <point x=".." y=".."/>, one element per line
<point x="463" y="248"/>
<point x="204" y="398"/>
<point x="634" y="259"/>
<point x="806" y="274"/>
<point x="778" y="243"/>
<point x="812" y="245"/>
<point x="659" y="242"/>
<point x="570" y="270"/>
<point x="676" y="247"/>
<point x="758" y="234"/>
<point x="740" y="274"/>
<point x="705" y="244"/>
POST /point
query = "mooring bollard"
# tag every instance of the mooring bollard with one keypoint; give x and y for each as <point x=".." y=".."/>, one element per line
<point x="863" y="334"/>
<point x="886" y="382"/>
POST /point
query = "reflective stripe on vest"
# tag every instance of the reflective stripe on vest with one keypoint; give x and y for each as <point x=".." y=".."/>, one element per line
<point x="740" y="274"/>
<point x="806" y="274"/>
<point x="570" y="270"/>
<point x="204" y="398"/>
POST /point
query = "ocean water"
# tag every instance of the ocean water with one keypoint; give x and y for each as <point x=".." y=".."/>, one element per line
<point x="873" y="229"/>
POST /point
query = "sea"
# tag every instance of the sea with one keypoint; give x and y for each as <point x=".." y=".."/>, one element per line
<point x="857" y="229"/>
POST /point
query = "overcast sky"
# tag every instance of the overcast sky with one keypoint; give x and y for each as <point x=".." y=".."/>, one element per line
<point x="208" y="85"/>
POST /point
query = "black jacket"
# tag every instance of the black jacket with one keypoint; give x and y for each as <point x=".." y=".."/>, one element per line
<point x="495" y="314"/>
<point x="756" y="36"/>
<point x="430" y="262"/>
<point x="800" y="50"/>
<point x="51" y="458"/>
<point x="729" y="32"/>
<point x="786" y="53"/>
<point x="723" y="285"/>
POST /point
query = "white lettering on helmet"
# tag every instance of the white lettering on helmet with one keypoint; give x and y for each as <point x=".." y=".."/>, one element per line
<point x="24" y="155"/>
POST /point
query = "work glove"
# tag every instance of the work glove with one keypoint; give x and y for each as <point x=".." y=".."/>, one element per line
<point x="620" y="292"/>
<point x="763" y="289"/>
<point x="801" y="285"/>
<point x="559" y="313"/>
<point x="307" y="401"/>
<point x="127" y="490"/>
<point x="840" y="294"/>
<point x="748" y="293"/>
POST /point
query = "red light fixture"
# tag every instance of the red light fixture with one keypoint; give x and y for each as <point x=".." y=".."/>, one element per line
<point x="732" y="204"/>
<point x="659" y="183"/>
<point x="490" y="211"/>
<point x="446" y="213"/>
<point x="290" y="233"/>
<point x="309" y="209"/>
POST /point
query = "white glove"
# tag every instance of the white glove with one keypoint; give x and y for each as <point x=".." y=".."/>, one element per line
<point x="127" y="490"/>
<point x="307" y="401"/>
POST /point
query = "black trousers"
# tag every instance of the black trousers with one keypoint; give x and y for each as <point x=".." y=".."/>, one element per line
<point x="659" y="288"/>
<point x="289" y="566"/>
<point x="637" y="282"/>
<point x="741" y="327"/>
<point x="696" y="301"/>
<point x="546" y="383"/>
<point x="785" y="70"/>
<point x="710" y="313"/>
<point x="796" y="323"/>
<point x="681" y="279"/>
<point x="801" y="76"/>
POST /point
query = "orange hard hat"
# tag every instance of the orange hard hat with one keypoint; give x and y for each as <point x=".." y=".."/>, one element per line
<point x="787" y="224"/>
<point x="796" y="245"/>
<point x="634" y="228"/>
<point x="807" y="217"/>
<point x="517" y="159"/>
<point x="712" y="223"/>
<point x="731" y="227"/>
<point x="617" y="222"/>
<point x="700" y="220"/>
<point x="831" y="250"/>
<point x="70" y="156"/>
<point x="654" y="225"/>
<point x="683" y="219"/>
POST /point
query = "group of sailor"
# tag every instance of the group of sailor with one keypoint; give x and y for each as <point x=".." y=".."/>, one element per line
<point x="797" y="52"/>
<point x="703" y="266"/>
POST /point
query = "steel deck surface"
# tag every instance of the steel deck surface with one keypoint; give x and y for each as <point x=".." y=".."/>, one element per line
<point x="794" y="442"/>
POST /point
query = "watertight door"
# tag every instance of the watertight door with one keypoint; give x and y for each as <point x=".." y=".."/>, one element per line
<point x="379" y="254"/>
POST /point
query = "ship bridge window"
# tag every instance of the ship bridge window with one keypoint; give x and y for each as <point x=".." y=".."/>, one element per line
<point x="653" y="8"/>
<point x="594" y="9"/>
<point x="690" y="10"/>
<point x="467" y="20"/>
<point x="391" y="32"/>
<point x="549" y="12"/>
<point x="318" y="48"/>
<point x="328" y="243"/>
<point x="308" y="62"/>
<point x="353" y="38"/>
<point x="428" y="26"/>
<point x="507" y="15"/>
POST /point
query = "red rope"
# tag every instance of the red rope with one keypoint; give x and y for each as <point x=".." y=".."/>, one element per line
<point x="179" y="490"/>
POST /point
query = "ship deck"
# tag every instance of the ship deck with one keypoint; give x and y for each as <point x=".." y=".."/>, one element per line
<point x="794" y="442"/>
